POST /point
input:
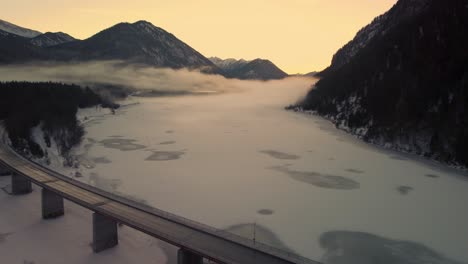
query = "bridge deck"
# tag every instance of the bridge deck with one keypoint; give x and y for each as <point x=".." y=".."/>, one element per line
<point x="213" y="244"/>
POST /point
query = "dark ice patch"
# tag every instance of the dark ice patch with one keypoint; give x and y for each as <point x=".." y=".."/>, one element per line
<point x="167" y="142"/>
<point x="3" y="237"/>
<point x="265" y="212"/>
<point x="262" y="234"/>
<point x="280" y="155"/>
<point x="364" y="248"/>
<point x="169" y="131"/>
<point x="318" y="179"/>
<point x="121" y="144"/>
<point x="355" y="171"/>
<point x="404" y="190"/>
<point x="165" y="155"/>
<point x="432" y="175"/>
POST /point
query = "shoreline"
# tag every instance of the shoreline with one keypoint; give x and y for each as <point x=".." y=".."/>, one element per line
<point x="359" y="133"/>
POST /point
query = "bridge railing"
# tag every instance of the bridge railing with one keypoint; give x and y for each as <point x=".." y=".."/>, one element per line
<point x="260" y="246"/>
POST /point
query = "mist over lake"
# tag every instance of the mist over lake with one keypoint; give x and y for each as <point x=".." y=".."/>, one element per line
<point x="237" y="132"/>
<point x="234" y="159"/>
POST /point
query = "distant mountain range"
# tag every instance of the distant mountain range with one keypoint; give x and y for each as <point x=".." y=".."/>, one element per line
<point x="257" y="69"/>
<point x="140" y="42"/>
<point x="402" y="82"/>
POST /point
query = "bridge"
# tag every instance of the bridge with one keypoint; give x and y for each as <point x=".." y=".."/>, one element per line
<point x="196" y="241"/>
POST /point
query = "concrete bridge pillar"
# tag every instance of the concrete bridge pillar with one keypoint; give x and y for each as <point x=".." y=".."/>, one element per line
<point x="104" y="232"/>
<point x="52" y="204"/>
<point x="20" y="184"/>
<point x="187" y="257"/>
<point x="4" y="171"/>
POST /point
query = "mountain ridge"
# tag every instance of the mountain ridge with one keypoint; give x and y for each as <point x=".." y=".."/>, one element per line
<point x="18" y="49"/>
<point x="378" y="27"/>
<point x="49" y="39"/>
<point x="139" y="42"/>
<point x="406" y="89"/>
<point x="257" y="69"/>
<point x="17" y="30"/>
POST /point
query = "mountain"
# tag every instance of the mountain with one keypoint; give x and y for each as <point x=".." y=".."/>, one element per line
<point x="402" y="82"/>
<point x="14" y="48"/>
<point x="257" y="69"/>
<point x="379" y="27"/>
<point x="49" y="39"/>
<point x="228" y="64"/>
<point x="17" y="30"/>
<point x="140" y="42"/>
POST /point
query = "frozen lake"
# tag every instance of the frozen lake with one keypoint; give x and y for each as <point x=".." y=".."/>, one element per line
<point x="233" y="159"/>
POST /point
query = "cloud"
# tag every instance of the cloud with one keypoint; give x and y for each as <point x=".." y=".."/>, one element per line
<point x="138" y="77"/>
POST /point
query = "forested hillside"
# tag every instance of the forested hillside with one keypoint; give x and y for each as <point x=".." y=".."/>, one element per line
<point x="25" y="105"/>
<point x="407" y="87"/>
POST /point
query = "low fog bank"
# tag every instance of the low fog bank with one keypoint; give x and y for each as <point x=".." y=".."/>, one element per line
<point x="146" y="80"/>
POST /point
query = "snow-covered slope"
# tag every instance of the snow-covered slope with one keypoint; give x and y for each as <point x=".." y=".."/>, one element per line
<point x="49" y="39"/>
<point x="20" y="31"/>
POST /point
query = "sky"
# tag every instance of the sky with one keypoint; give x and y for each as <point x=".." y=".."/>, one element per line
<point x="299" y="36"/>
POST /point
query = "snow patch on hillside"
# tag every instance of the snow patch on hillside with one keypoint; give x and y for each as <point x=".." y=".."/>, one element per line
<point x="17" y="30"/>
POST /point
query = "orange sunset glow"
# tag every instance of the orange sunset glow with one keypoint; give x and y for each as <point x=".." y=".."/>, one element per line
<point x="297" y="35"/>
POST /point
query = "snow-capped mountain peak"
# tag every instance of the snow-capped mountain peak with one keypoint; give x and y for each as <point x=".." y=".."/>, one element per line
<point x="17" y="30"/>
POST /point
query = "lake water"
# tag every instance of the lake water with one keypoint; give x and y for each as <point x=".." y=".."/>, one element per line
<point x="233" y="159"/>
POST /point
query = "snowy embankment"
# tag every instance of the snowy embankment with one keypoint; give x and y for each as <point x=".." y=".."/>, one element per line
<point x="417" y="147"/>
<point x="26" y="238"/>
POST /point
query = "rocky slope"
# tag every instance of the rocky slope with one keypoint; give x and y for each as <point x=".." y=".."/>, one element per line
<point x="140" y="42"/>
<point x="14" y="48"/>
<point x="257" y="69"/>
<point x="49" y="39"/>
<point x="406" y="85"/>
<point x="17" y="30"/>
